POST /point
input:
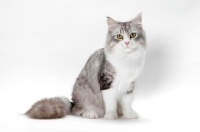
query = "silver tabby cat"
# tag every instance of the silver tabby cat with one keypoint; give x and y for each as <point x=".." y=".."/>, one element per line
<point x="105" y="86"/>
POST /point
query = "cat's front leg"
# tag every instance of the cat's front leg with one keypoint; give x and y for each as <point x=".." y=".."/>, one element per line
<point x="110" y="103"/>
<point x="126" y="100"/>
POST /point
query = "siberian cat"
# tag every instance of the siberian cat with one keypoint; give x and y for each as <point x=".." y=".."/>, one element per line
<point x="105" y="86"/>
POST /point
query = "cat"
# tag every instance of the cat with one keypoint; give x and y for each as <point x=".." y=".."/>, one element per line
<point x="104" y="88"/>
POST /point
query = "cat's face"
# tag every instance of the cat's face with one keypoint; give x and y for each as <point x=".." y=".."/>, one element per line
<point x="125" y="36"/>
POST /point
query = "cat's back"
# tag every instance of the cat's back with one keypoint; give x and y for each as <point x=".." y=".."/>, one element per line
<point x="86" y="91"/>
<point x="98" y="73"/>
<point x="98" y="55"/>
<point x="95" y="60"/>
<point x="89" y="74"/>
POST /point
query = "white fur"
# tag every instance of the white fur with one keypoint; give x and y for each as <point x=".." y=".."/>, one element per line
<point x="125" y="101"/>
<point x="109" y="97"/>
<point x="128" y="62"/>
<point x="110" y="115"/>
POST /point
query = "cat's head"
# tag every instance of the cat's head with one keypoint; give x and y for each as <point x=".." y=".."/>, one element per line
<point x="125" y="36"/>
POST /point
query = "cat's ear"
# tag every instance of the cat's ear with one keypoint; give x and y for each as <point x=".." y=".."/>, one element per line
<point x="137" y="20"/>
<point x="111" y="23"/>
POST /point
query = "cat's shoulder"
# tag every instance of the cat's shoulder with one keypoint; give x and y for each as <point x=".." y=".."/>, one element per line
<point x="98" y="54"/>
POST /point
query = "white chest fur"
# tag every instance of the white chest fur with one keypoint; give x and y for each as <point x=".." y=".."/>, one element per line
<point x="127" y="66"/>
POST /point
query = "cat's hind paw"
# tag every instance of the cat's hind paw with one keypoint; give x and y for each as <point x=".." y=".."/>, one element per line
<point x="110" y="115"/>
<point x="90" y="114"/>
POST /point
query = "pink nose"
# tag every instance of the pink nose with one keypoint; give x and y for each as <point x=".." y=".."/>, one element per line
<point x="127" y="42"/>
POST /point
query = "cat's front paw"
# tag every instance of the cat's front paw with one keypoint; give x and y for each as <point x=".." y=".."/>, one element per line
<point x="90" y="114"/>
<point x="131" y="115"/>
<point x="110" y="115"/>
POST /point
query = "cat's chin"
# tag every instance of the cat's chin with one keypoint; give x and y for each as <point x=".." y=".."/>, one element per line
<point x="129" y="50"/>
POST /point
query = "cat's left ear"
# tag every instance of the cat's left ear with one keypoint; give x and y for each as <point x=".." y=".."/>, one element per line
<point x="111" y="23"/>
<point x="137" y="20"/>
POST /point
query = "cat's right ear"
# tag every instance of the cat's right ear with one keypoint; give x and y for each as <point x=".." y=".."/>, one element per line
<point x="111" y="23"/>
<point x="138" y="20"/>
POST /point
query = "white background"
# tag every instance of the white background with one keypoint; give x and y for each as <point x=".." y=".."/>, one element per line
<point x="44" y="45"/>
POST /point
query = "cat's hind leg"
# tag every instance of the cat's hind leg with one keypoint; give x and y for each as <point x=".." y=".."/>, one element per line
<point x="88" y="104"/>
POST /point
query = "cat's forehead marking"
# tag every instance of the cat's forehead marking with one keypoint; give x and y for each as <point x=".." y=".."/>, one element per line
<point x="124" y="26"/>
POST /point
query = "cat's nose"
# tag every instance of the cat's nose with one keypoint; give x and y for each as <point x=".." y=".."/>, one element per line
<point x="127" y="42"/>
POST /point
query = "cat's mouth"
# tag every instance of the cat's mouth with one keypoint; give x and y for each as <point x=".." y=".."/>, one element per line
<point x="130" y="49"/>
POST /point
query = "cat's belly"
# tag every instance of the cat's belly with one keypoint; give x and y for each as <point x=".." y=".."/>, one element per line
<point x="124" y="78"/>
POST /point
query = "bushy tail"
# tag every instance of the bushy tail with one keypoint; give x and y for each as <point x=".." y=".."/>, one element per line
<point x="51" y="108"/>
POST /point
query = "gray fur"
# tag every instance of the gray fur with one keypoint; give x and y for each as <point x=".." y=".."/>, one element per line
<point x="98" y="74"/>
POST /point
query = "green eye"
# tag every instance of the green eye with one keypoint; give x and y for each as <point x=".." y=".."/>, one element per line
<point x="132" y="35"/>
<point x="119" y="36"/>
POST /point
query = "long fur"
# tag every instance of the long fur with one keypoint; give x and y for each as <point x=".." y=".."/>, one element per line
<point x="105" y="85"/>
<point x="50" y="108"/>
